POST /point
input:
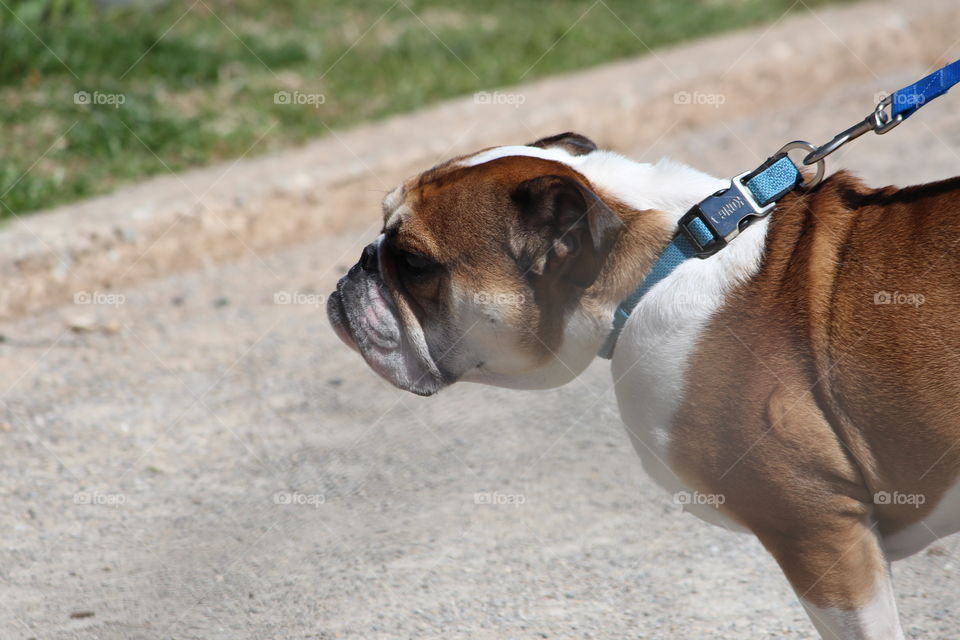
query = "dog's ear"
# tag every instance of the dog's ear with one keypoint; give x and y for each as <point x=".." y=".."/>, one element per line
<point x="564" y="232"/>
<point x="574" y="143"/>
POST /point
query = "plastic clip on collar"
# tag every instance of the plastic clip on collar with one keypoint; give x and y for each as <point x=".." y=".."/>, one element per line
<point x="712" y="223"/>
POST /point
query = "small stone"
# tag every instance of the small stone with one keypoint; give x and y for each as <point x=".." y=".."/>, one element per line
<point x="82" y="323"/>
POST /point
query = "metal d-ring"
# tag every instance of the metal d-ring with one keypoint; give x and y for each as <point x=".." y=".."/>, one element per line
<point x="821" y="165"/>
<point x="882" y="121"/>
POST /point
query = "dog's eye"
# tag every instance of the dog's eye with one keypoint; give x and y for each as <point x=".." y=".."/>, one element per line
<point x="415" y="265"/>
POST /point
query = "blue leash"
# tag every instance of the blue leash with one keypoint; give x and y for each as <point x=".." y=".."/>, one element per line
<point x="712" y="223"/>
<point x="906" y="101"/>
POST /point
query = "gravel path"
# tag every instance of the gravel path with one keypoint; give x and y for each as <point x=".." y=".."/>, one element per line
<point x="195" y="460"/>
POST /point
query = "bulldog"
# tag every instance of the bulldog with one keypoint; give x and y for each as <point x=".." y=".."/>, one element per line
<point x="800" y="385"/>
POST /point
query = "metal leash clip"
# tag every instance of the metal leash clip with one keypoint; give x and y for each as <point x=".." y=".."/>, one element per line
<point x="880" y="121"/>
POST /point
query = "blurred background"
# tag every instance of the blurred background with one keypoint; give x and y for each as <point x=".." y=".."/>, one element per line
<point x="96" y="94"/>
<point x="188" y="451"/>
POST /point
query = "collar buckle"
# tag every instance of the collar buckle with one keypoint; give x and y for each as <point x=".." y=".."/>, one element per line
<point x="724" y="214"/>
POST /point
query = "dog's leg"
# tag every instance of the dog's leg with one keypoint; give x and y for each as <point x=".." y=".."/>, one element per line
<point x="839" y="571"/>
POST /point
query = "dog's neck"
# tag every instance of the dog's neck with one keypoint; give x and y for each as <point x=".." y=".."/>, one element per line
<point x="651" y="198"/>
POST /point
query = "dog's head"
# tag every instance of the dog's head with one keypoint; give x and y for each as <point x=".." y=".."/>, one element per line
<point x="489" y="268"/>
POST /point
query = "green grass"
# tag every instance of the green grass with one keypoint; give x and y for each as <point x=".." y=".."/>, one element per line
<point x="198" y="79"/>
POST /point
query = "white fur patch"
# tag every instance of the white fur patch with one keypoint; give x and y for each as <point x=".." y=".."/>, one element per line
<point x="553" y="153"/>
<point x="665" y="186"/>
<point x="492" y="333"/>
<point x="876" y="620"/>
<point x="652" y="356"/>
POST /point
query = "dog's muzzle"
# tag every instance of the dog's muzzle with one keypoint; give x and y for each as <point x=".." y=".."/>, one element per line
<point x="365" y="316"/>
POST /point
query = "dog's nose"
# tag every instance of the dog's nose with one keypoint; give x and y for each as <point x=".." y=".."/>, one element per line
<point x="368" y="259"/>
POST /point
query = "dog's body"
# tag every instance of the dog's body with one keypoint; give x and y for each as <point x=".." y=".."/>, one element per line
<point x="765" y="382"/>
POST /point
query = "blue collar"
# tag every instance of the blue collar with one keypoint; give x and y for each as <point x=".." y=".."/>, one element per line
<point x="711" y="224"/>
